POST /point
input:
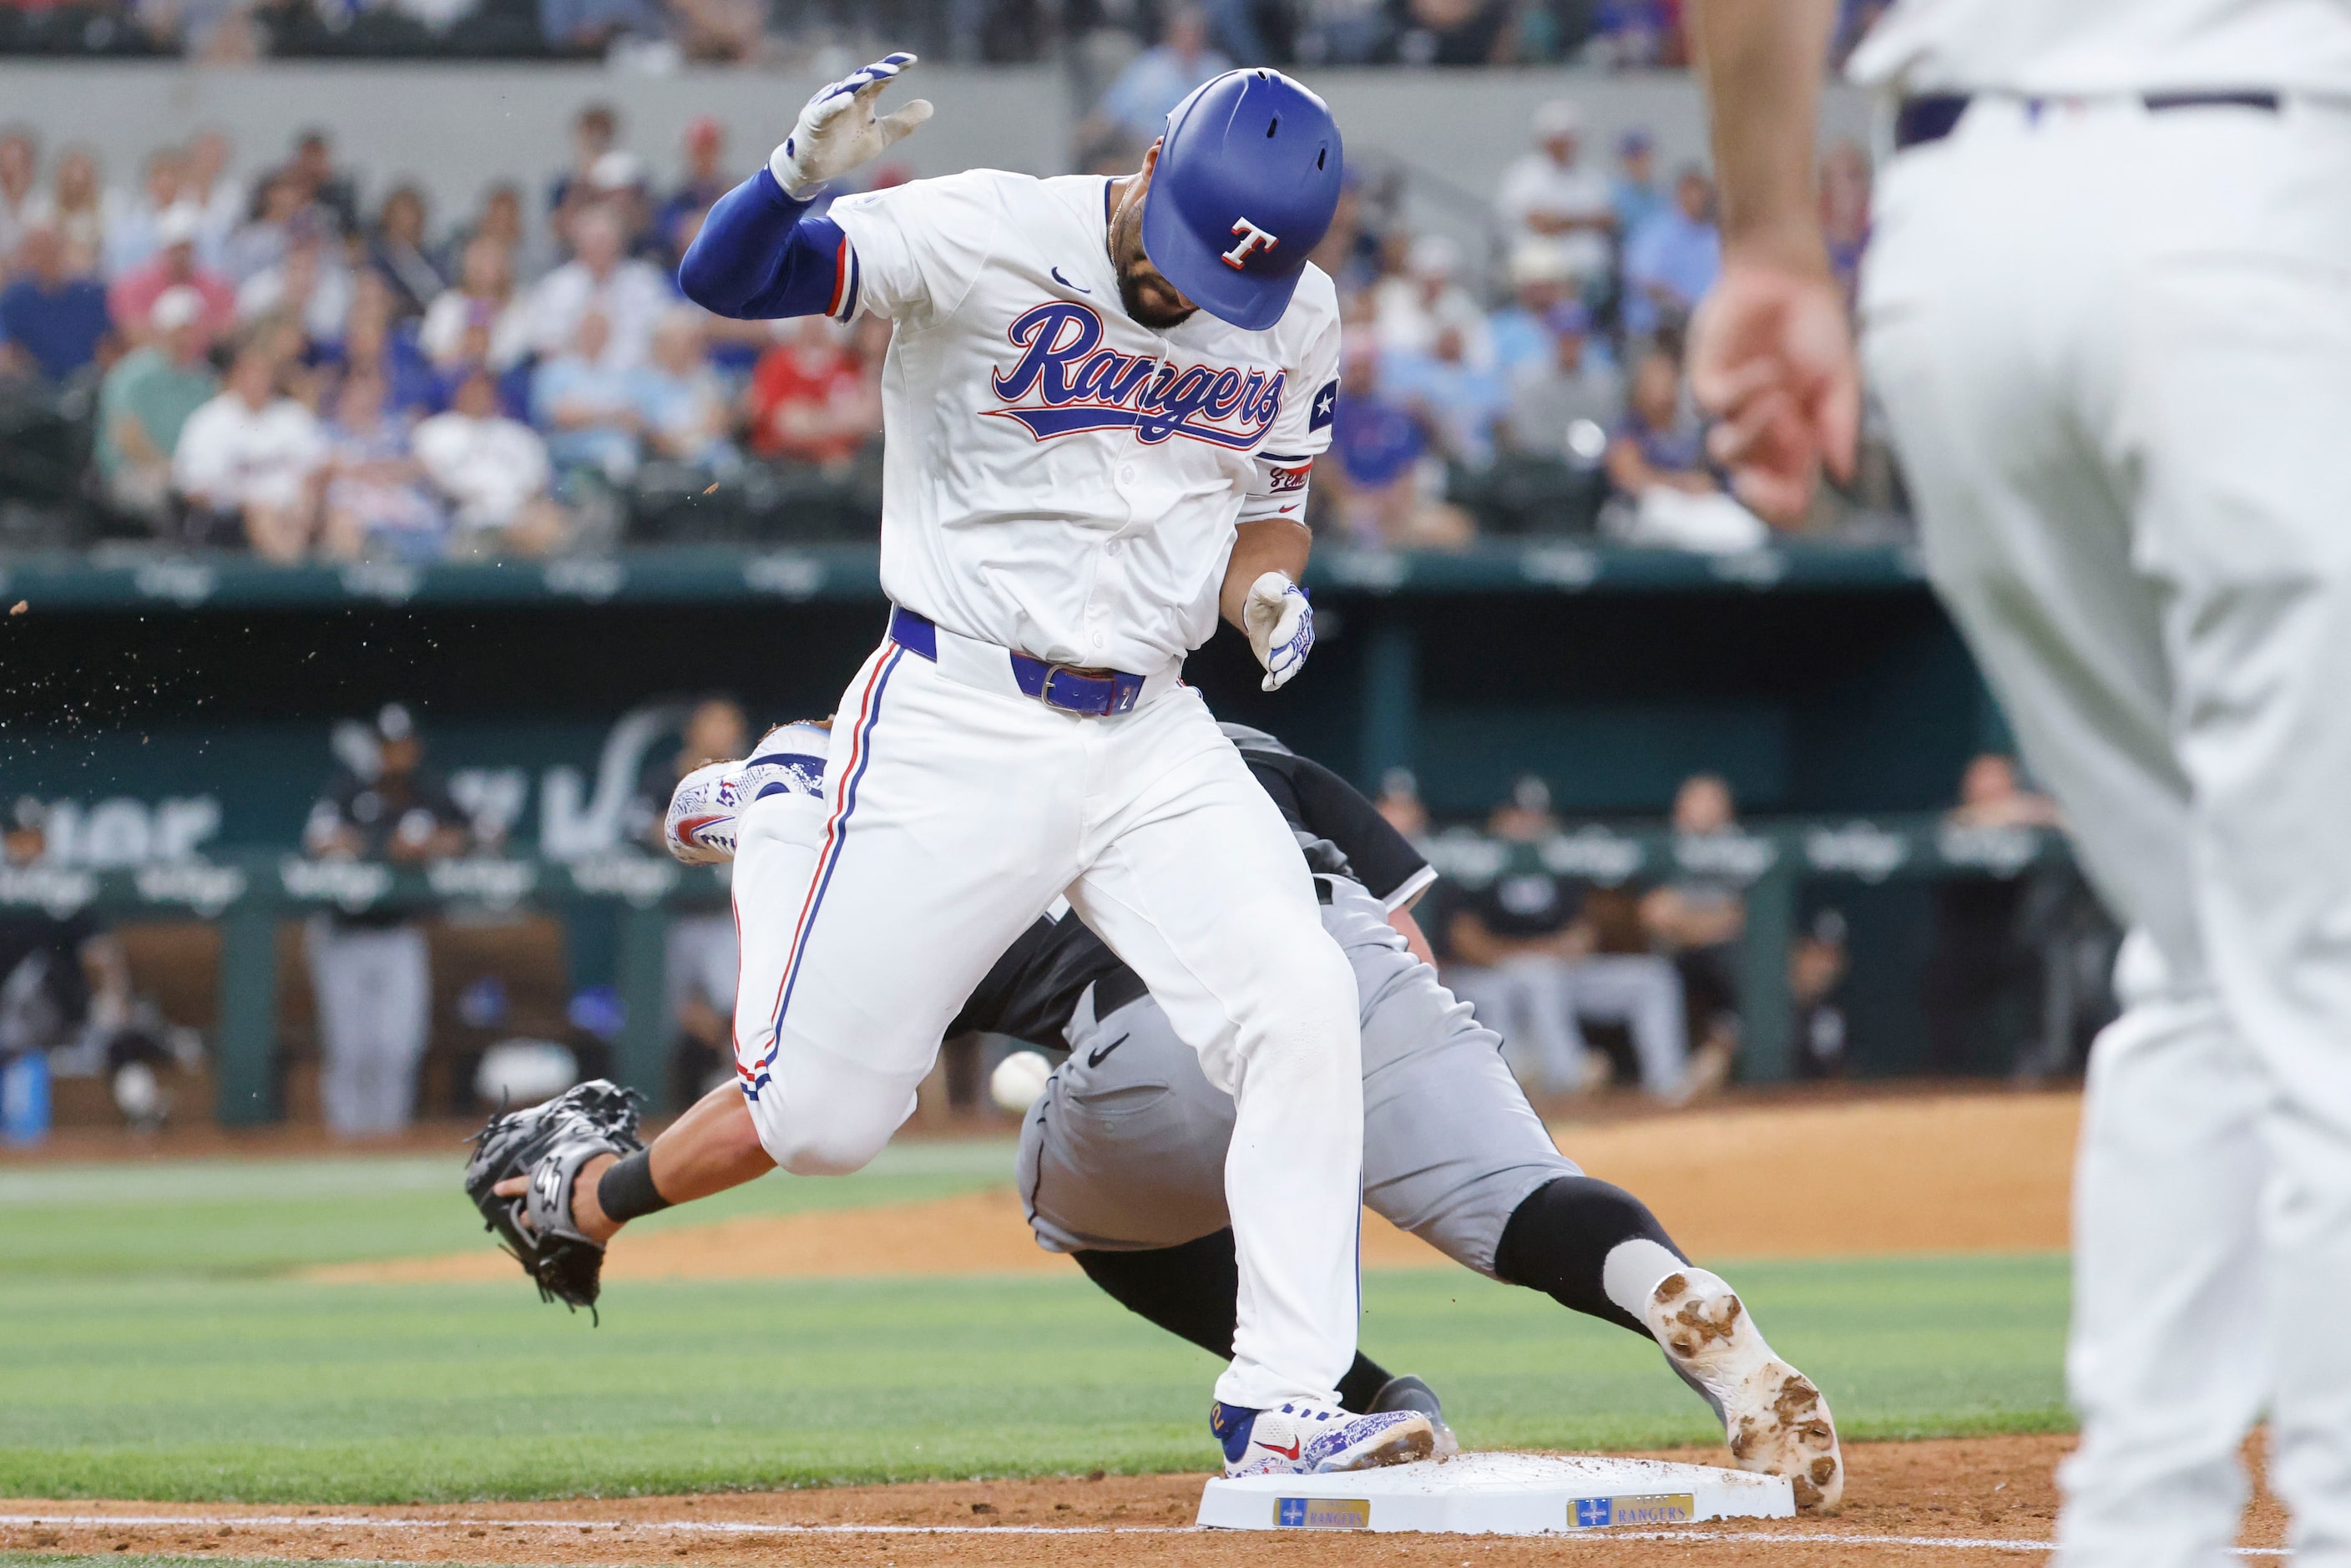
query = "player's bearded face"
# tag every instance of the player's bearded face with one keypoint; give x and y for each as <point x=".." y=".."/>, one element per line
<point x="1148" y="297"/>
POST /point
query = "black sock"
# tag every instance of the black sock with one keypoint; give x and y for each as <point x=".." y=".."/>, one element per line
<point x="1362" y="1384"/>
<point x="1557" y="1240"/>
<point x="1190" y="1291"/>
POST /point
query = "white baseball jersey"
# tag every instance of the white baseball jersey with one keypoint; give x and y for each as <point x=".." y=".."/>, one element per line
<point x="1058" y="478"/>
<point x="2089" y="47"/>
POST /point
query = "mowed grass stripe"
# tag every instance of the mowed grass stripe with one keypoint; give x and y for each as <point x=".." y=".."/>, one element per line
<point x="244" y="1218"/>
<point x="189" y="1389"/>
<point x="166" y="1183"/>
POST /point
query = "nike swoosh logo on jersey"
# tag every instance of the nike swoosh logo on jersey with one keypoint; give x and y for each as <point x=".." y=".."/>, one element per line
<point x="1065" y="282"/>
<point x="1094" y="1058"/>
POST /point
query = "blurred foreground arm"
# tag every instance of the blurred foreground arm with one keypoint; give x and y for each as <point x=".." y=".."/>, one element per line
<point x="1770" y="352"/>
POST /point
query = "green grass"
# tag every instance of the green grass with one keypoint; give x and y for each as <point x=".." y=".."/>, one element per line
<point x="151" y="1349"/>
<point x="230" y="1218"/>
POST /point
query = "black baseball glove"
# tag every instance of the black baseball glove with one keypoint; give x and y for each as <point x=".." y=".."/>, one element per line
<point x="548" y="1143"/>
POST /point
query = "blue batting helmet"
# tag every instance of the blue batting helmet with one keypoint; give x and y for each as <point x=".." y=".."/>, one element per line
<point x="1248" y="179"/>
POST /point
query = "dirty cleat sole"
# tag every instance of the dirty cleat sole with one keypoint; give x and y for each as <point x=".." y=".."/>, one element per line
<point x="1416" y="1440"/>
<point x="1773" y="1416"/>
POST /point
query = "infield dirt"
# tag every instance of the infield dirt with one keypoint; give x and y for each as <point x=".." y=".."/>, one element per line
<point x="1960" y="1503"/>
<point x="1960" y="1173"/>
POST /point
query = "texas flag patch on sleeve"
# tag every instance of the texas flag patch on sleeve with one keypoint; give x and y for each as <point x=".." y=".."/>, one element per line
<point x="1325" y="405"/>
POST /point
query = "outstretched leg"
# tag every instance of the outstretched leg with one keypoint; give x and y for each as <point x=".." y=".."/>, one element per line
<point x="1453" y="1153"/>
<point x="1597" y="1249"/>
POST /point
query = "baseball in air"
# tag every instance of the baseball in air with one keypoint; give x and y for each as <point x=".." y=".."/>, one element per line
<point x="1019" y="1079"/>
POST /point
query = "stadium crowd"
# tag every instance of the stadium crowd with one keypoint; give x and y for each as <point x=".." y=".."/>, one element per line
<point x="278" y="363"/>
<point x="1614" y="35"/>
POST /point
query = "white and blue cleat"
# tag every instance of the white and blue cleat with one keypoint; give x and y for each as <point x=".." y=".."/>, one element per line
<point x="699" y="827"/>
<point x="1301" y="1438"/>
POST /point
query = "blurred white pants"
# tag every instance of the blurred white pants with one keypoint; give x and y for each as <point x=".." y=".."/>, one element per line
<point x="2116" y="349"/>
<point x="1712" y="524"/>
<point x="702" y="958"/>
<point x="1533" y="1002"/>
<point x="373" y="988"/>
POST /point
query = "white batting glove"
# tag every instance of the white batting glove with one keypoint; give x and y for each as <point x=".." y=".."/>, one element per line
<point x="1280" y="626"/>
<point x="838" y="129"/>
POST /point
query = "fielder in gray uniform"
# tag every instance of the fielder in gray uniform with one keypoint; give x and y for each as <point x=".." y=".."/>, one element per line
<point x="1123" y="1157"/>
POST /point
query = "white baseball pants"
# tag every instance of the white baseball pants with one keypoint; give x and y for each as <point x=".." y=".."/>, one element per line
<point x="2115" y="348"/>
<point x="373" y="990"/>
<point x="1537" y="1001"/>
<point x="955" y="812"/>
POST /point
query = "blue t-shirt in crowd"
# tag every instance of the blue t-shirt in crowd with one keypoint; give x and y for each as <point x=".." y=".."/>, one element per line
<point x="1680" y="449"/>
<point x="411" y="386"/>
<point x="1462" y="398"/>
<point x="1670" y="251"/>
<point x="61" y="327"/>
<point x="1153" y="83"/>
<point x="1376" y="440"/>
<point x="1521" y="338"/>
<point x="611" y="447"/>
<point x="1636" y="203"/>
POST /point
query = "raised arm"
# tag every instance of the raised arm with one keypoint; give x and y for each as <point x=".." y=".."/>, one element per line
<point x="1770" y="350"/>
<point x="759" y="254"/>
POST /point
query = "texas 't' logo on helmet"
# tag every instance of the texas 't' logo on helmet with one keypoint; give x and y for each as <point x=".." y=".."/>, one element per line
<point x="1253" y="240"/>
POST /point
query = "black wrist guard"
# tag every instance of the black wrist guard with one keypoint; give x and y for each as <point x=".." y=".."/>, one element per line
<point x="626" y="1191"/>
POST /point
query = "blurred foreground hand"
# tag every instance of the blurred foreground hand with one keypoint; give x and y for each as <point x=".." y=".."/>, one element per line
<point x="1772" y="358"/>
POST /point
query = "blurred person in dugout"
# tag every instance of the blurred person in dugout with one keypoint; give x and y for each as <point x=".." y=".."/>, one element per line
<point x="58" y="973"/>
<point x="370" y="972"/>
<point x="1525" y="950"/>
<point x="1983" y="987"/>
<point x="701" y="954"/>
<point x="1697" y="921"/>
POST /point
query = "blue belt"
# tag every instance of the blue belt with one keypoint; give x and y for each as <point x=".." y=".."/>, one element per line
<point x="1081" y="692"/>
<point x="1935" y="115"/>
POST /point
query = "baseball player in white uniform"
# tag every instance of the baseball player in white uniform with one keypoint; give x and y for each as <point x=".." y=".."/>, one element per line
<point x="2108" y="308"/>
<point x="1101" y="402"/>
<point x="1123" y="1156"/>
